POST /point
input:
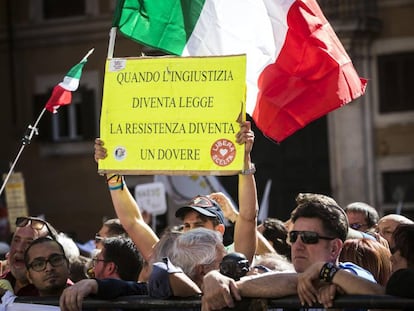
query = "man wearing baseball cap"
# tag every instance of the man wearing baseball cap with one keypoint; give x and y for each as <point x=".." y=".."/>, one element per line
<point x="202" y="211"/>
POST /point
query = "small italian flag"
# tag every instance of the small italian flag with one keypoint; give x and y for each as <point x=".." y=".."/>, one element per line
<point x="62" y="93"/>
<point x="297" y="70"/>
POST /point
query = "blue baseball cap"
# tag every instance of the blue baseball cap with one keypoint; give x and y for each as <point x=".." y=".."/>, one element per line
<point x="204" y="206"/>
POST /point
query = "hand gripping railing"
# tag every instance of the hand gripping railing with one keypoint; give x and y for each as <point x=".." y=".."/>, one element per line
<point x="145" y="302"/>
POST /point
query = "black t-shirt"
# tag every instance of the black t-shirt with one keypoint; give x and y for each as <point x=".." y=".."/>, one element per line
<point x="401" y="283"/>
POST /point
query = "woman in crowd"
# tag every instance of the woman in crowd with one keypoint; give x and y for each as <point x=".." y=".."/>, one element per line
<point x="368" y="254"/>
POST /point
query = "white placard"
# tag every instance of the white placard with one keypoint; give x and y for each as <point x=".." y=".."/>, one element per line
<point x="151" y="197"/>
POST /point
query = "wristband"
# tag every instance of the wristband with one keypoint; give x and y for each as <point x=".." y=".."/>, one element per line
<point x="115" y="182"/>
<point x="328" y="271"/>
<point x="250" y="171"/>
<point x="120" y="186"/>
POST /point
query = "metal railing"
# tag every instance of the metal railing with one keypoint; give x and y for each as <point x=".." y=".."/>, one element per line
<point x="145" y="303"/>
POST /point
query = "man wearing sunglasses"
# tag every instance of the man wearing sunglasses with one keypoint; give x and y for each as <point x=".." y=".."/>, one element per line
<point x="361" y="216"/>
<point x="319" y="228"/>
<point x="27" y="230"/>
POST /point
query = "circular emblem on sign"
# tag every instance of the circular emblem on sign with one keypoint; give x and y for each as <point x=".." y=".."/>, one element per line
<point x="223" y="152"/>
<point x="120" y="153"/>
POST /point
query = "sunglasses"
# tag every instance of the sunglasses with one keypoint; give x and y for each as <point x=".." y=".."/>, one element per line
<point x="262" y="268"/>
<point x="39" y="264"/>
<point x="357" y="226"/>
<point x="98" y="238"/>
<point x="202" y="201"/>
<point x="34" y="223"/>
<point x="308" y="237"/>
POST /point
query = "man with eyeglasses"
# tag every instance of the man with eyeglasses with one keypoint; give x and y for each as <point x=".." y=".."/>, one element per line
<point x="47" y="266"/>
<point x="47" y="269"/>
<point x="387" y="225"/>
<point x="116" y="268"/>
<point x="27" y="230"/>
<point x="319" y="228"/>
<point x="194" y="253"/>
<point x="110" y="228"/>
<point x="117" y="259"/>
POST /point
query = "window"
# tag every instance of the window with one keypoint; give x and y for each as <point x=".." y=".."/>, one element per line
<point x="398" y="186"/>
<point x="53" y="9"/>
<point x="76" y="122"/>
<point x="395" y="82"/>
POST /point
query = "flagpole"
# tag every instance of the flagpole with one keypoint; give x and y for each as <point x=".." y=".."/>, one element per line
<point x="26" y="140"/>
<point x="87" y="54"/>
<point x="32" y="130"/>
<point x="111" y="45"/>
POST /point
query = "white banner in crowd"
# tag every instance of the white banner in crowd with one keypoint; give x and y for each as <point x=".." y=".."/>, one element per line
<point x="30" y="307"/>
<point x="151" y="197"/>
<point x="182" y="189"/>
<point x="264" y="204"/>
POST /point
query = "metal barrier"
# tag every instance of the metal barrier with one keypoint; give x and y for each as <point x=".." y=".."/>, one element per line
<point x="146" y="303"/>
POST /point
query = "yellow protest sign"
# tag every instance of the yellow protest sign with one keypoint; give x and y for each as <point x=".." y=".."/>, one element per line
<point x="173" y="115"/>
<point x="15" y="199"/>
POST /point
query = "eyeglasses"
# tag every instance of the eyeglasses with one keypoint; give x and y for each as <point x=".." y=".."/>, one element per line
<point x="35" y="223"/>
<point x="98" y="238"/>
<point x="96" y="260"/>
<point x="262" y="268"/>
<point x="308" y="237"/>
<point x="39" y="264"/>
<point x="357" y="226"/>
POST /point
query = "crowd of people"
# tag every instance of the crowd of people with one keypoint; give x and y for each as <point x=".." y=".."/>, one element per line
<point x="320" y="252"/>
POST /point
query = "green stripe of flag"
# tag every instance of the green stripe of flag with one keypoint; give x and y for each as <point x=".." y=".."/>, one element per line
<point x="76" y="71"/>
<point x="165" y="25"/>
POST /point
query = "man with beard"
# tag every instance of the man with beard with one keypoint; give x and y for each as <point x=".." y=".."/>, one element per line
<point x="47" y="271"/>
<point x="47" y="266"/>
<point x="27" y="230"/>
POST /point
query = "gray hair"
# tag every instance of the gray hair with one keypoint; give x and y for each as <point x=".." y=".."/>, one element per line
<point x="370" y="213"/>
<point x="274" y="261"/>
<point x="71" y="249"/>
<point x="165" y="246"/>
<point x="196" y="247"/>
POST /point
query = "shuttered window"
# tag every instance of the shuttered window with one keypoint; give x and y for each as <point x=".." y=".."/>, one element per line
<point x="53" y="9"/>
<point x="396" y="80"/>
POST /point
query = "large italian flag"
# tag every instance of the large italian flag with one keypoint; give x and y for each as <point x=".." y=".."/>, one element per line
<point x="297" y="69"/>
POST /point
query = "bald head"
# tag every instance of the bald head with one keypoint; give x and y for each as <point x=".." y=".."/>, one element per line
<point x="388" y="223"/>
